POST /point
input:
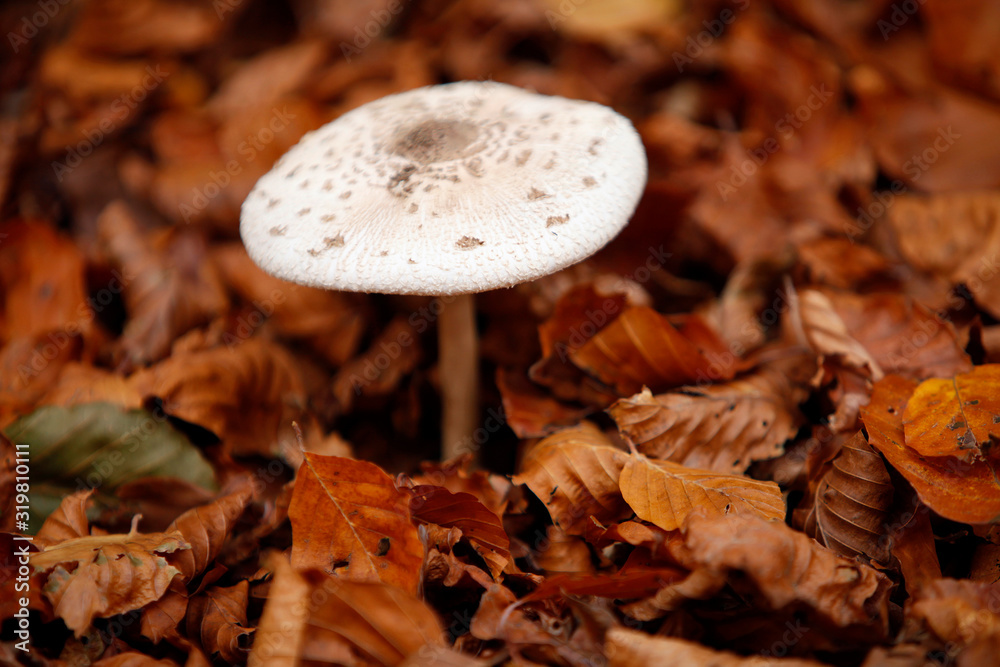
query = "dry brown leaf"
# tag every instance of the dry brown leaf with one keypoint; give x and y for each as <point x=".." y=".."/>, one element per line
<point x="665" y="493"/>
<point x="723" y="427"/>
<point x="151" y="25"/>
<point x="311" y="616"/>
<point x="957" y="416"/>
<point x="851" y="503"/>
<point x="67" y="522"/>
<point x="113" y="574"/>
<point x="481" y="527"/>
<point x="162" y="618"/>
<point x="957" y="611"/>
<point x="244" y="394"/>
<point x="218" y="619"/>
<point x="575" y="473"/>
<point x="349" y="519"/>
<point x="776" y="568"/>
<point x="915" y="548"/>
<point x="531" y="412"/>
<point x="829" y="337"/>
<point x="641" y="348"/>
<point x="626" y="648"/>
<point x="901" y="335"/>
<point x="957" y="490"/>
<point x="206" y="529"/>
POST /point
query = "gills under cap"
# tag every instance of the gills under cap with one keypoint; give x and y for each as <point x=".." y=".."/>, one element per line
<point x="448" y="189"/>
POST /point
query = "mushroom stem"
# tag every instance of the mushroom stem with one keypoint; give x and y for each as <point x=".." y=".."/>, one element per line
<point x="459" y="369"/>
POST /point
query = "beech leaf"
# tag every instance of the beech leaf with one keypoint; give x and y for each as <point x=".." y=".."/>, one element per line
<point x="483" y="528"/>
<point x="665" y="493"/>
<point x="310" y="616"/>
<point x="575" y="474"/>
<point x="349" y="519"/>
<point x="112" y="574"/>
<point x="965" y="491"/>
<point x="723" y="427"/>
<point x="957" y="416"/>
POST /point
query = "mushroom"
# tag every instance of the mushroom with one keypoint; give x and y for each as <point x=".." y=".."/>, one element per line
<point x="447" y="191"/>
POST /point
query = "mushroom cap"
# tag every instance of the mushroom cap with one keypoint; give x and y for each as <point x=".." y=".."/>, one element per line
<point x="447" y="189"/>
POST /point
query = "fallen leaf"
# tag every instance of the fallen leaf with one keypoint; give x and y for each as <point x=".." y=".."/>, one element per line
<point x="641" y="348"/>
<point x="851" y="503"/>
<point x="666" y="493"/>
<point x="100" y="445"/>
<point x="206" y="528"/>
<point x="575" y="474"/>
<point x="957" y="490"/>
<point x="775" y="567"/>
<point x="113" y="574"/>
<point x="626" y="648"/>
<point x="244" y="394"/>
<point x="218" y="619"/>
<point x="310" y="616"/>
<point x="722" y="427"/>
<point x="481" y="527"/>
<point x="349" y="519"/>
<point x="956" y="416"/>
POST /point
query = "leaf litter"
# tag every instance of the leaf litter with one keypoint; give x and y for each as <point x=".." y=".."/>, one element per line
<point x="759" y="427"/>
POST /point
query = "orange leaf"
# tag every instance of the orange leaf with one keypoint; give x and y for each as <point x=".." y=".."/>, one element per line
<point x="310" y="616"/>
<point x="953" y="488"/>
<point x="641" y="348"/>
<point x="113" y="574"/>
<point x="206" y="528"/>
<point x="483" y="529"/>
<point x="218" y="619"/>
<point x="243" y="394"/>
<point x="665" y="493"/>
<point x="959" y="416"/>
<point x="575" y="473"/>
<point x="349" y="519"/>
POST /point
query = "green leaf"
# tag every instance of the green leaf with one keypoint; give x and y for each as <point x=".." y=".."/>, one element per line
<point x="102" y="446"/>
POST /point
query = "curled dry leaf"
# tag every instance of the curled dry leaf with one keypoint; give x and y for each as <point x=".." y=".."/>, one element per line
<point x="575" y="473"/>
<point x="244" y="394"/>
<point x="957" y="416"/>
<point x="723" y="427"/>
<point x="206" y="529"/>
<point x="958" y="611"/>
<point x="642" y="348"/>
<point x="481" y="527"/>
<point x="113" y="574"/>
<point x="217" y="619"/>
<point x="626" y="648"/>
<point x="310" y="616"/>
<point x="349" y="519"/>
<point x="955" y="489"/>
<point x="829" y="337"/>
<point x="775" y="568"/>
<point x="67" y="522"/>
<point x="851" y="503"/>
<point x="665" y="494"/>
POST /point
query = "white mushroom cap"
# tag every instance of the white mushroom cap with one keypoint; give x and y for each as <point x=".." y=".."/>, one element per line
<point x="449" y="189"/>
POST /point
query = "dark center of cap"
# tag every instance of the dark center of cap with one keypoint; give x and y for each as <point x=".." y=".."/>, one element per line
<point x="436" y="140"/>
